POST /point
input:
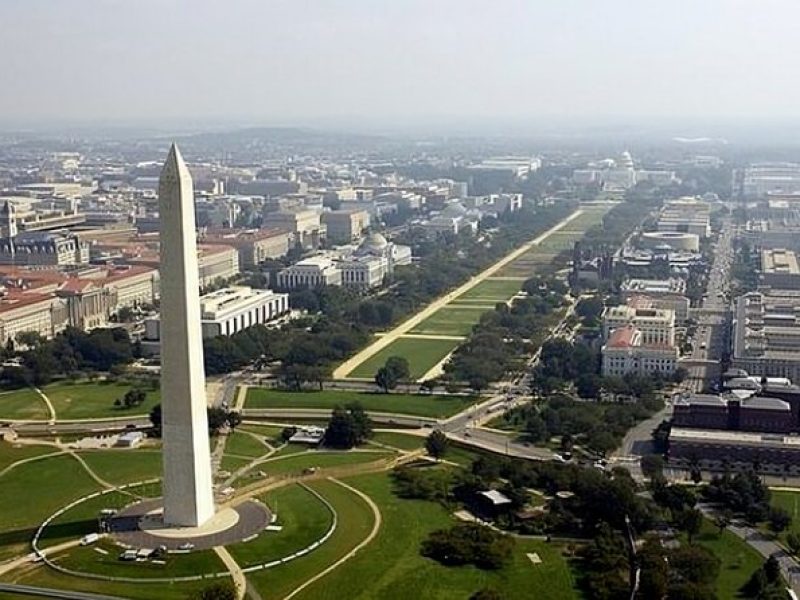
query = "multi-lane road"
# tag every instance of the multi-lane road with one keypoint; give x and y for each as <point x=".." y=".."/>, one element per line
<point x="711" y="337"/>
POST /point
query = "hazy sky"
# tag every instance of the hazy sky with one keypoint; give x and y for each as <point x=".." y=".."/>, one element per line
<point x="280" y="61"/>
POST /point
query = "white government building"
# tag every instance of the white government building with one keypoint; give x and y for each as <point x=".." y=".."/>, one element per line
<point x="364" y="267"/>
<point x="230" y="310"/>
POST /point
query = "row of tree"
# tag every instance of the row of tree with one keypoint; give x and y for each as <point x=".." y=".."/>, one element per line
<point x="71" y="351"/>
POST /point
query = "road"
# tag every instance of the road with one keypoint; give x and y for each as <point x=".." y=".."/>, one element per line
<point x="406" y="326"/>
<point x="711" y="338"/>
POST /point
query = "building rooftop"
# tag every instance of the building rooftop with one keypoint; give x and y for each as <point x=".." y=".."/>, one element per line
<point x="779" y="260"/>
<point x="622" y="337"/>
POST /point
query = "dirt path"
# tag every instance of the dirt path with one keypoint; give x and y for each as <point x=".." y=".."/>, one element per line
<point x="22" y="461"/>
<point x="91" y="472"/>
<point x="48" y="403"/>
<point x="365" y="542"/>
<point x="382" y="342"/>
<point x="23" y="560"/>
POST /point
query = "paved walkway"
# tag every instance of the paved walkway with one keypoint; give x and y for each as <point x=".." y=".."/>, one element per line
<point x="230" y="563"/>
<point x="376" y="525"/>
<point x="433" y="336"/>
<point x="382" y="342"/>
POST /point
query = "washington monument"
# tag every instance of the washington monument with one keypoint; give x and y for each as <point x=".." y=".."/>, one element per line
<point x="188" y="494"/>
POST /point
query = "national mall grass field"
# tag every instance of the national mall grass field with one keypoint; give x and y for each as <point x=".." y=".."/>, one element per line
<point x="409" y="404"/>
<point x="80" y="400"/>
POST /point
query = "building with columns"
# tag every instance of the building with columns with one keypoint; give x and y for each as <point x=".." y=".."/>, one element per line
<point x="230" y="310"/>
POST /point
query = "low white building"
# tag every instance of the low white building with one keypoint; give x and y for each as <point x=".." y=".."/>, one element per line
<point x="230" y="310"/>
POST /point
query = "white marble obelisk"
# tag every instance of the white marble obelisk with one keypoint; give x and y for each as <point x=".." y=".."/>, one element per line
<point x="187" y="486"/>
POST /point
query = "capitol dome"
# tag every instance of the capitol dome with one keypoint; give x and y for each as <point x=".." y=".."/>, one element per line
<point x="374" y="244"/>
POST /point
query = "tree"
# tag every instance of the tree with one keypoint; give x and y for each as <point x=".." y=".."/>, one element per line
<point x="469" y="543"/>
<point x="602" y="442"/>
<point x="385" y="380"/>
<point x="221" y="590"/>
<point x="348" y="426"/>
<point x="394" y="370"/>
<point x="536" y="429"/>
<point x="361" y="422"/>
<point x="155" y="419"/>
<point x="399" y="367"/>
<point x="779" y="519"/>
<point x="340" y="432"/>
<point x="217" y="419"/>
<point x="436" y="444"/>
<point x="690" y="521"/>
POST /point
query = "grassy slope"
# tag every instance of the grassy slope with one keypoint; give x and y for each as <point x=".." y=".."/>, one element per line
<point x="94" y="400"/>
<point x="124" y="466"/>
<point x="738" y="560"/>
<point x="402" y="441"/>
<point x="9" y="453"/>
<point x="32" y="492"/>
<point x="392" y="568"/>
<point x="421" y="354"/>
<point x="23" y="404"/>
<point x="304" y="519"/>
<point x="355" y="520"/>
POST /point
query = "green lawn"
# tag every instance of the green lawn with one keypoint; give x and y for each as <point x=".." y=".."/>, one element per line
<point x="304" y="519"/>
<point x="232" y="463"/>
<point x="32" y="492"/>
<point x="492" y="290"/>
<point x="403" y="441"/>
<point x="451" y="320"/>
<point x="411" y="404"/>
<point x="94" y="400"/>
<point x="422" y="355"/>
<point x="82" y="519"/>
<point x="11" y="453"/>
<point x="23" y="404"/>
<point x="738" y="560"/>
<point x="45" y="577"/>
<point x="124" y="466"/>
<point x="392" y="568"/>
<point x="296" y="463"/>
<point x="270" y="434"/>
<point x="87" y="560"/>
<point x="355" y="523"/>
<point x="790" y="501"/>
<point x="242" y="444"/>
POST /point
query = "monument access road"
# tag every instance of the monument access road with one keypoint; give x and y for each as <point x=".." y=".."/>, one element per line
<point x="406" y="326"/>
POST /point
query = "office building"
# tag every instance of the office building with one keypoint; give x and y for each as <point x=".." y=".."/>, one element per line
<point x="230" y="310"/>
<point x="304" y="225"/>
<point x="779" y="269"/>
<point x="657" y="326"/>
<point x="345" y="226"/>
<point x="626" y="352"/>
<point x="766" y="333"/>
<point x="667" y="294"/>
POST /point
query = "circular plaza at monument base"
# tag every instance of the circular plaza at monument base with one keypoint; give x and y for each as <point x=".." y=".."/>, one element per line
<point x="141" y="525"/>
